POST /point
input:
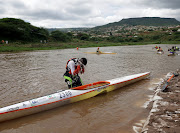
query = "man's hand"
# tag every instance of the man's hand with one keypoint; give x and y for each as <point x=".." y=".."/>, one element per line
<point x="82" y="69"/>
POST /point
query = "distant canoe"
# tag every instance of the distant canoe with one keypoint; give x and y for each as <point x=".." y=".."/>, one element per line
<point x="100" y="53"/>
<point x="172" y="54"/>
<point x="160" y="52"/>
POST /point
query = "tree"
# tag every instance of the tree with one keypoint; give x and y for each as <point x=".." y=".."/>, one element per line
<point x="174" y="30"/>
<point x="83" y="36"/>
<point x="17" y="29"/>
<point x="60" y="36"/>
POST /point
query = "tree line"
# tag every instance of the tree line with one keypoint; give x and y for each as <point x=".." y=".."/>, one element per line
<point x="17" y="30"/>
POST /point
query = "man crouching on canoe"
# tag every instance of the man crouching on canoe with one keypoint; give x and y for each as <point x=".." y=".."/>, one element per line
<point x="73" y="67"/>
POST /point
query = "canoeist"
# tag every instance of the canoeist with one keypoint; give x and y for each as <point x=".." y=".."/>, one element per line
<point x="176" y="48"/>
<point x="160" y="50"/>
<point x="73" y="67"/>
<point x="172" y="50"/>
<point x="156" y="47"/>
<point x="98" y="51"/>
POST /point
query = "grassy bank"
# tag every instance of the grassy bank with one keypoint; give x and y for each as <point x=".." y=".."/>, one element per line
<point x="12" y="47"/>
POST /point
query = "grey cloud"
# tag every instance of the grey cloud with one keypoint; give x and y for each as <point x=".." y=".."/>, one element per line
<point x="3" y="8"/>
<point x="80" y="8"/>
<point x="12" y="4"/>
<point x="79" y="11"/>
<point x="68" y="12"/>
<point x="49" y="14"/>
<point x="18" y="4"/>
<point x="85" y="12"/>
<point x="2" y="2"/>
<point x="2" y="11"/>
<point x="170" y="4"/>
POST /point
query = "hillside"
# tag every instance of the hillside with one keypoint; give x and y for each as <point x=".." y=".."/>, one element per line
<point x="16" y="29"/>
<point x="144" y="21"/>
<point x="67" y="29"/>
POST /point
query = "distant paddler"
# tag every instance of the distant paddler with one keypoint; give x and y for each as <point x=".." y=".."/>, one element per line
<point x="176" y="48"/>
<point x="172" y="51"/>
<point x="156" y="47"/>
<point x="159" y="50"/>
<point x="98" y="51"/>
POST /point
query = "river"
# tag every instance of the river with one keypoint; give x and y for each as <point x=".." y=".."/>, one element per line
<point x="27" y="75"/>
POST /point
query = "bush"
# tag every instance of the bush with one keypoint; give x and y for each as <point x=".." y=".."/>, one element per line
<point x="60" y="36"/>
<point x="16" y="29"/>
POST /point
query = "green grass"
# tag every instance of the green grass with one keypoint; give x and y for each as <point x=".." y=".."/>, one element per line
<point x="82" y="44"/>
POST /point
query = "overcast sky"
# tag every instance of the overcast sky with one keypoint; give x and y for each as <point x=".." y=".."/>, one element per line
<point x="85" y="13"/>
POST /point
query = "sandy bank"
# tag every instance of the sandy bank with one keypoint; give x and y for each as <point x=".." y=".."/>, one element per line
<point x="164" y="116"/>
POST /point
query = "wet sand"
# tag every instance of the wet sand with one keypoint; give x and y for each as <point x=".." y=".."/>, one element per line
<point x="164" y="116"/>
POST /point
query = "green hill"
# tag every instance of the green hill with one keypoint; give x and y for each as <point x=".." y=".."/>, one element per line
<point x="67" y="29"/>
<point x="144" y="21"/>
<point x="16" y="29"/>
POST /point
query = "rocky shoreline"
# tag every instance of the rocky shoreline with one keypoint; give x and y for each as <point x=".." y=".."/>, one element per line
<point x="164" y="116"/>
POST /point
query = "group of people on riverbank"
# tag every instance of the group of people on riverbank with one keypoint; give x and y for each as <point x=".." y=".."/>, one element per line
<point x="4" y="42"/>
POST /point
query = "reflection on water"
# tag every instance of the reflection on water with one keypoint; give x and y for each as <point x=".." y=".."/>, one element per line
<point x="28" y="75"/>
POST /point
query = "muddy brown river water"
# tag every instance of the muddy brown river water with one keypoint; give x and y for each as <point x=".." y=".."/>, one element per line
<point x="28" y="75"/>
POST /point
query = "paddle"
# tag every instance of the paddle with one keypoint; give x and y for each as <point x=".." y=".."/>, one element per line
<point x="176" y="53"/>
<point x="167" y="82"/>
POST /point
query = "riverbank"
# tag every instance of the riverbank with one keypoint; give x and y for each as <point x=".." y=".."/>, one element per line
<point x="164" y="116"/>
<point x="58" y="45"/>
<point x="18" y="47"/>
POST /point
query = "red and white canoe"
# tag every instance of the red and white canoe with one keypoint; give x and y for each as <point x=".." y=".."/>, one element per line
<point x="63" y="97"/>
